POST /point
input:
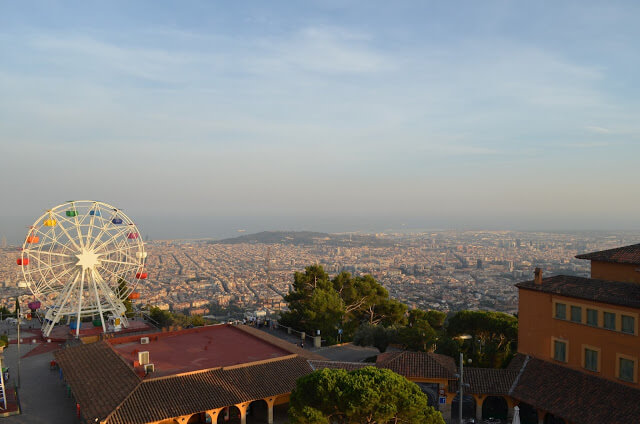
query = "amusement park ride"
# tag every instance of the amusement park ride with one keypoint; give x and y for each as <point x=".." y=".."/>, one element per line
<point x="82" y="259"/>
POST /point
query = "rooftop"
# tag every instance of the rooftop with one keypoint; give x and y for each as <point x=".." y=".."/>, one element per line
<point x="197" y="348"/>
<point x="622" y="255"/>
<point x="574" y="395"/>
<point x="612" y="292"/>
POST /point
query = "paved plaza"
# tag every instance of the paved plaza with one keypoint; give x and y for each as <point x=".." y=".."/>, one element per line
<point x="43" y="396"/>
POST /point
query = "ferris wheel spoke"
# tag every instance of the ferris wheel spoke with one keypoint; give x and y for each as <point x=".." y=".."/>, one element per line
<point x="107" y="224"/>
<point x="48" y="265"/>
<point x="97" y="295"/>
<point x="113" y="237"/>
<point x="96" y="214"/>
<point x="80" y="297"/>
<point x="48" y="235"/>
<point x="117" y="276"/>
<point x="119" y="262"/>
<point x="64" y="230"/>
<point x="77" y="225"/>
<point x="44" y="252"/>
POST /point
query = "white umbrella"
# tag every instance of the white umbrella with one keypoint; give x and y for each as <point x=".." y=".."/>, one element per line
<point x="516" y="415"/>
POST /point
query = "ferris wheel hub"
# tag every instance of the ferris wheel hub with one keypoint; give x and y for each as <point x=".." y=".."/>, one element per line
<point x="88" y="259"/>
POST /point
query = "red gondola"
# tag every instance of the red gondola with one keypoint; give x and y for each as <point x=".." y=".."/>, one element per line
<point x="21" y="261"/>
<point x="141" y="275"/>
<point x="132" y="236"/>
<point x="134" y="295"/>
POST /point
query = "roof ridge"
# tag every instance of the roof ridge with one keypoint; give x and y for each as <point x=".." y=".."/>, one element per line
<point x="135" y="389"/>
<point x="522" y="368"/>
<point x="260" y="362"/>
<point x="121" y="358"/>
<point x="193" y="372"/>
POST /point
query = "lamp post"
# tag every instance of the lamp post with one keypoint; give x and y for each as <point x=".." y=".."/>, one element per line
<point x="21" y="285"/>
<point x="461" y="389"/>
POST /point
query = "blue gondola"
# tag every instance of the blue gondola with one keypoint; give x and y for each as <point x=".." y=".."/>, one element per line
<point x="94" y="213"/>
<point x="116" y="221"/>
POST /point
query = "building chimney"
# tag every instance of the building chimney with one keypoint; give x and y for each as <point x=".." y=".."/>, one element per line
<point x="538" y="276"/>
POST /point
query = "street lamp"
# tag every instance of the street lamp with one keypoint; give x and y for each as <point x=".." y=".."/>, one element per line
<point x="21" y="285"/>
<point x="461" y="387"/>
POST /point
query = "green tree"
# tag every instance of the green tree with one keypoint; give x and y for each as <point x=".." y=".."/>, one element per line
<point x="123" y="292"/>
<point x="493" y="336"/>
<point x="368" y="395"/>
<point x="375" y="335"/>
<point x="418" y="335"/>
<point x="314" y="304"/>
<point x="163" y="318"/>
<point x="366" y="300"/>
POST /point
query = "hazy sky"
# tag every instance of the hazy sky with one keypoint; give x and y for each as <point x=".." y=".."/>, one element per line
<point x="200" y="117"/>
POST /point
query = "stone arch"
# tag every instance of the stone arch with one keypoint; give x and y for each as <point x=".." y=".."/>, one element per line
<point x="229" y="415"/>
<point x="258" y="411"/>
<point x="552" y="419"/>
<point x="495" y="407"/>
<point x="468" y="407"/>
<point x="200" y="418"/>
<point x="528" y="414"/>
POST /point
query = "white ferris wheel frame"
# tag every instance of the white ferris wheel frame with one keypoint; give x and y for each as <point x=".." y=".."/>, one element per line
<point x="74" y="258"/>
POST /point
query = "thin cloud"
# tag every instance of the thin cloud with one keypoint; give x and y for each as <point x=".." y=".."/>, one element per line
<point x="598" y="130"/>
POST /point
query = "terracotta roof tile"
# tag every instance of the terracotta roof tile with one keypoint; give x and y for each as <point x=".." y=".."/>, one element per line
<point x="161" y="398"/>
<point x="486" y="381"/>
<point x="621" y="255"/>
<point x="612" y="292"/>
<point x="98" y="376"/>
<point x="418" y="364"/>
<point x="576" y="396"/>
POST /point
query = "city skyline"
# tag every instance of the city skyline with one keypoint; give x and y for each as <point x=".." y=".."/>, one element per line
<point x="202" y="120"/>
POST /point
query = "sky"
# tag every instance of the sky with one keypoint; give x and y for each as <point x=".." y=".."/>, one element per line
<point x="201" y="118"/>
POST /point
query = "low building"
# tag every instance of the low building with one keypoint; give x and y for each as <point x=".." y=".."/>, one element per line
<point x="188" y="376"/>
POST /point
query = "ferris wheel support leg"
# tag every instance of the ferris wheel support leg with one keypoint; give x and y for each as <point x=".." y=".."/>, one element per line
<point x="95" y="290"/>
<point x="79" y="319"/>
<point x="56" y="314"/>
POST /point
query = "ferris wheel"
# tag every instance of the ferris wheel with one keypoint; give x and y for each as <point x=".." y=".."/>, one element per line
<point x="83" y="258"/>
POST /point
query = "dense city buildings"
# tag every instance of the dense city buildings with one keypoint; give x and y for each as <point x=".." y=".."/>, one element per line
<point x="443" y="270"/>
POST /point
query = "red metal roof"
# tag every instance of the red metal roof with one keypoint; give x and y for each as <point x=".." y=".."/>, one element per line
<point x="197" y="348"/>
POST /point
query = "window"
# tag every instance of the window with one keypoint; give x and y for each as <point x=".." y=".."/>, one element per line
<point x="626" y="369"/>
<point x="609" y="320"/>
<point x="576" y="314"/>
<point x="628" y="324"/>
<point x="591" y="359"/>
<point x="561" y="311"/>
<point x="592" y="317"/>
<point x="560" y="351"/>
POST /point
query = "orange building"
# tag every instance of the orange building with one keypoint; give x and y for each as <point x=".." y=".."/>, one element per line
<point x="588" y="324"/>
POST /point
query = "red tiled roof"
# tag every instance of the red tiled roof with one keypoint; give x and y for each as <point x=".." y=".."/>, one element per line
<point x="612" y="292"/>
<point x="418" y="364"/>
<point x="577" y="397"/>
<point x="161" y="398"/>
<point x="99" y="377"/>
<point x="486" y="381"/>
<point x="621" y="255"/>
